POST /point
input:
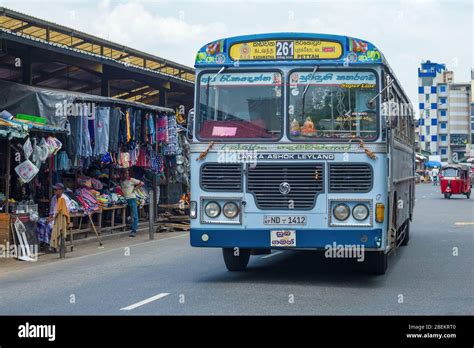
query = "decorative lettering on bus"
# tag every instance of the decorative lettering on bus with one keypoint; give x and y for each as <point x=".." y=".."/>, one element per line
<point x="296" y="156"/>
<point x="285" y="50"/>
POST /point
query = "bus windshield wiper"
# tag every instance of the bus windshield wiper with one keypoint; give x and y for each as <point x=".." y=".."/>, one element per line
<point x="208" y="84"/>
<point x="307" y="86"/>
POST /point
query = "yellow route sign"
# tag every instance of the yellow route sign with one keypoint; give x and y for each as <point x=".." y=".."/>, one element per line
<point x="286" y="50"/>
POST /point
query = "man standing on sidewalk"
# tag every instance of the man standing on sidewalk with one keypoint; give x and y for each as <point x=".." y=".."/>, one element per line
<point x="128" y="186"/>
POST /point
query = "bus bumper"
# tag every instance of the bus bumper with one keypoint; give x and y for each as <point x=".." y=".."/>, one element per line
<point x="305" y="238"/>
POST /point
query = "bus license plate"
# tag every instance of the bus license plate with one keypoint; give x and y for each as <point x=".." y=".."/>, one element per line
<point x="283" y="238"/>
<point x="284" y="220"/>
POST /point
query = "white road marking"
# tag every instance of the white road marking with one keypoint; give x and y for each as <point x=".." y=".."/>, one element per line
<point x="144" y="302"/>
<point x="463" y="223"/>
<point x="272" y="254"/>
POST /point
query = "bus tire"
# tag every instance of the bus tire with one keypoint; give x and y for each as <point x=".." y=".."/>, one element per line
<point x="377" y="262"/>
<point x="236" y="263"/>
<point x="447" y="195"/>
<point x="406" y="237"/>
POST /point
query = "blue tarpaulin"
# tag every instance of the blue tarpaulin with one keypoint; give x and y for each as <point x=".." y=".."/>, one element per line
<point x="433" y="164"/>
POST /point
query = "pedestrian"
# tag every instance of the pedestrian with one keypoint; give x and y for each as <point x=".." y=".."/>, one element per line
<point x="60" y="206"/>
<point x="434" y="174"/>
<point x="128" y="185"/>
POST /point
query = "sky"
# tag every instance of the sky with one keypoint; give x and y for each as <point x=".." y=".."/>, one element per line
<point x="406" y="31"/>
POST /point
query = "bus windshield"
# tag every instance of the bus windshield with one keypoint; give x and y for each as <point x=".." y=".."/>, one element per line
<point x="336" y="105"/>
<point x="244" y="105"/>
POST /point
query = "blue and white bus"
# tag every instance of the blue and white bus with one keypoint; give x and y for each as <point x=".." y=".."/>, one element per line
<point x="300" y="141"/>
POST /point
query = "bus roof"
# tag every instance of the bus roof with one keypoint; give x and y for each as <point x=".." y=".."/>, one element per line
<point x="288" y="49"/>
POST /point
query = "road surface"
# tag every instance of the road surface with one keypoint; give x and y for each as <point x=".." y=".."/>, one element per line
<point x="432" y="275"/>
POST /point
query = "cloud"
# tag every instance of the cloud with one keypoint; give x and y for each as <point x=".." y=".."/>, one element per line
<point x="406" y="31"/>
<point x="133" y="25"/>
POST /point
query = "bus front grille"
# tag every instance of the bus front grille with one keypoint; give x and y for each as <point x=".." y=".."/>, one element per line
<point x="220" y="177"/>
<point x="269" y="182"/>
<point x="350" y="178"/>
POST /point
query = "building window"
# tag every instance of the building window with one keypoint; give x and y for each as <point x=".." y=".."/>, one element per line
<point x="422" y="106"/>
<point x="443" y="125"/>
<point x="443" y="112"/>
<point x="427" y="130"/>
<point x="443" y="137"/>
<point x="442" y="100"/>
<point x="434" y="106"/>
<point x="433" y="89"/>
<point x="422" y="138"/>
<point x="434" y="121"/>
<point x="421" y="90"/>
<point x="443" y="152"/>
<point x="421" y="122"/>
<point x="442" y="88"/>
<point x="434" y="138"/>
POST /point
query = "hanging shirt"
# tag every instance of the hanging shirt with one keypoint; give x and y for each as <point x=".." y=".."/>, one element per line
<point x="127" y="120"/>
<point x="53" y="210"/>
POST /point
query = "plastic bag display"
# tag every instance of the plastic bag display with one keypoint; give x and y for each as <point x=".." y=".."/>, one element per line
<point x="27" y="148"/>
<point x="26" y="171"/>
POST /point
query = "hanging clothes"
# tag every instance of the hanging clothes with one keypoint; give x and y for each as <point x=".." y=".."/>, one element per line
<point x="132" y="113"/>
<point x="85" y="148"/>
<point x="61" y="222"/>
<point x="73" y="140"/>
<point x="127" y="125"/>
<point x="144" y="127"/>
<point x="101" y="130"/>
<point x="151" y="128"/>
<point x="171" y="147"/>
<point x="114" y="130"/>
<point x="143" y="158"/>
<point x="162" y="133"/>
<point x="63" y="161"/>
<point x="138" y="126"/>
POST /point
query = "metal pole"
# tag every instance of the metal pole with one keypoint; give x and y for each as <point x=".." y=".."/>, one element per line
<point x="151" y="211"/>
<point x="7" y="176"/>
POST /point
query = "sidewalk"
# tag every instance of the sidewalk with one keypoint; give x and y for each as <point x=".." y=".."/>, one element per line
<point x="90" y="246"/>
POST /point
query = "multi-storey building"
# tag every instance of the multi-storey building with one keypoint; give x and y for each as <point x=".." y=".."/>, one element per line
<point x="445" y="119"/>
<point x="429" y="76"/>
<point x="472" y="115"/>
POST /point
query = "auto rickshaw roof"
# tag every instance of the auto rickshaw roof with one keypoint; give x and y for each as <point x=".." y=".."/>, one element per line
<point x="456" y="166"/>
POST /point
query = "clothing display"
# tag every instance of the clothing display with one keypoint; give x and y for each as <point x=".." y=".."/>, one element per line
<point x="114" y="128"/>
<point x="171" y="146"/>
<point x="86" y="158"/>
<point x="101" y="130"/>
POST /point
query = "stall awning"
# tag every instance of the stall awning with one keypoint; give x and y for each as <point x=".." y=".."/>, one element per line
<point x="420" y="157"/>
<point x="10" y="129"/>
<point x="32" y="127"/>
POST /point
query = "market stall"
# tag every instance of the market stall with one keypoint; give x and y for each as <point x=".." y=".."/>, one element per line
<point x="83" y="144"/>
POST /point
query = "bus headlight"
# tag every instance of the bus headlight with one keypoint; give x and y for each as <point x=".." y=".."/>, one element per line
<point x="360" y="212"/>
<point x="230" y="210"/>
<point x="212" y="209"/>
<point x="341" y="212"/>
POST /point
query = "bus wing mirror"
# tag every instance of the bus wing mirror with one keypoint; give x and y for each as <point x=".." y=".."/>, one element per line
<point x="190" y="126"/>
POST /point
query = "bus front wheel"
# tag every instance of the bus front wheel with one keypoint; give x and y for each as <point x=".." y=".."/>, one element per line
<point x="236" y="259"/>
<point x="377" y="262"/>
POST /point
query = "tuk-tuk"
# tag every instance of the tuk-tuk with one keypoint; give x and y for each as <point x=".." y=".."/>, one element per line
<point x="455" y="180"/>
